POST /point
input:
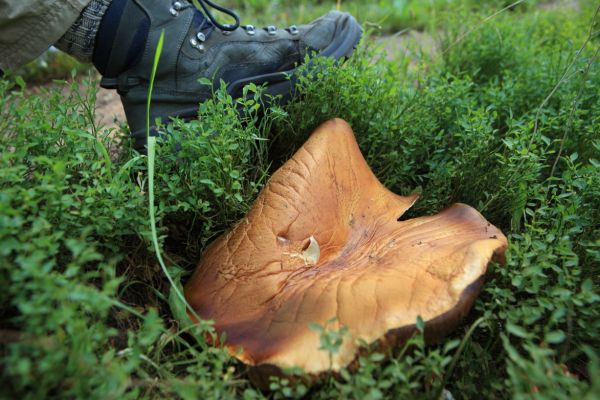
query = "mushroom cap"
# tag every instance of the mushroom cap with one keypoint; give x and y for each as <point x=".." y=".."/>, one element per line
<point x="324" y="240"/>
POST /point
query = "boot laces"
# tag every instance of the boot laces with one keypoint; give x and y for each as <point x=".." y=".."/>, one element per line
<point x="205" y="4"/>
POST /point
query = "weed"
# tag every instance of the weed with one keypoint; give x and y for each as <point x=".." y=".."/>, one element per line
<point x="88" y="313"/>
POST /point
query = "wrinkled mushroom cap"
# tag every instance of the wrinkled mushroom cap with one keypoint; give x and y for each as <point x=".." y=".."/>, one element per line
<point x="323" y="240"/>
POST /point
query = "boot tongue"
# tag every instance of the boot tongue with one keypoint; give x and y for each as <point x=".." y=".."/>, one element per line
<point x="121" y="38"/>
<point x="200" y="21"/>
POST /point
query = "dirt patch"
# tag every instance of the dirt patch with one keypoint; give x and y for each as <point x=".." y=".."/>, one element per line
<point x="570" y="5"/>
<point x="109" y="110"/>
<point x="412" y="44"/>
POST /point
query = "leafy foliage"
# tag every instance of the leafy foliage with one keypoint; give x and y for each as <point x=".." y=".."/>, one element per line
<point x="505" y="116"/>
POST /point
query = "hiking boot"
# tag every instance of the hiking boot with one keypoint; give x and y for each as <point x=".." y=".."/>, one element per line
<point x="196" y="46"/>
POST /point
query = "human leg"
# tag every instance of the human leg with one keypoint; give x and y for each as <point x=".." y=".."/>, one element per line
<point x="80" y="39"/>
<point x="29" y="27"/>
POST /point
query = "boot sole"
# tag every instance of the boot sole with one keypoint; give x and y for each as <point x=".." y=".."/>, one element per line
<point x="280" y="83"/>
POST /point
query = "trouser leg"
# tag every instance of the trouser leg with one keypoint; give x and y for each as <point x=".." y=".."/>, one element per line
<point x="29" y="27"/>
<point x="80" y="39"/>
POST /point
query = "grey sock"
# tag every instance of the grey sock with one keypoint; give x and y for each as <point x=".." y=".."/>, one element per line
<point x="80" y="39"/>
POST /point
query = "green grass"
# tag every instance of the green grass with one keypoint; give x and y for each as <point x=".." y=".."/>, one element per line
<point x="505" y="116"/>
<point x="384" y="16"/>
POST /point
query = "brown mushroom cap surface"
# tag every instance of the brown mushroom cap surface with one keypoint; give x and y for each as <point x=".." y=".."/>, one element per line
<point x="266" y="280"/>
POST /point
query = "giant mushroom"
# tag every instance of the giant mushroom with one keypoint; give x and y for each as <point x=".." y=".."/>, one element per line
<point x="324" y="239"/>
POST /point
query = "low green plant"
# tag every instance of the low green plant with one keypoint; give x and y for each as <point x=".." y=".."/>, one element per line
<point x="82" y="289"/>
<point x="504" y="116"/>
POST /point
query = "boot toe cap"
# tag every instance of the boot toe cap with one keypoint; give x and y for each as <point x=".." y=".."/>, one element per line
<point x="336" y="34"/>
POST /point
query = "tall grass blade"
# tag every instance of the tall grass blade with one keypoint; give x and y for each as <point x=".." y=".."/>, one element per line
<point x="151" y="148"/>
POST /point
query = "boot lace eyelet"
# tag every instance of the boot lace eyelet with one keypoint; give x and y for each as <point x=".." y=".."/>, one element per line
<point x="176" y="6"/>
<point x="197" y="45"/>
<point x="250" y="30"/>
<point x="293" y="29"/>
<point x="224" y="32"/>
<point x="271" y="30"/>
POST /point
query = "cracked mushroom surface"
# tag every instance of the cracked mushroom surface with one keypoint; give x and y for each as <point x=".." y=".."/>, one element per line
<point x="324" y="240"/>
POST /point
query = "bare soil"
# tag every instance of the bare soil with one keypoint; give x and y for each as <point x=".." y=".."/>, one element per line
<point x="109" y="111"/>
<point x="413" y="44"/>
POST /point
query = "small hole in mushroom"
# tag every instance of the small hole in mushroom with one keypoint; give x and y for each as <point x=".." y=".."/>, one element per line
<point x="306" y="244"/>
<point x="312" y="252"/>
